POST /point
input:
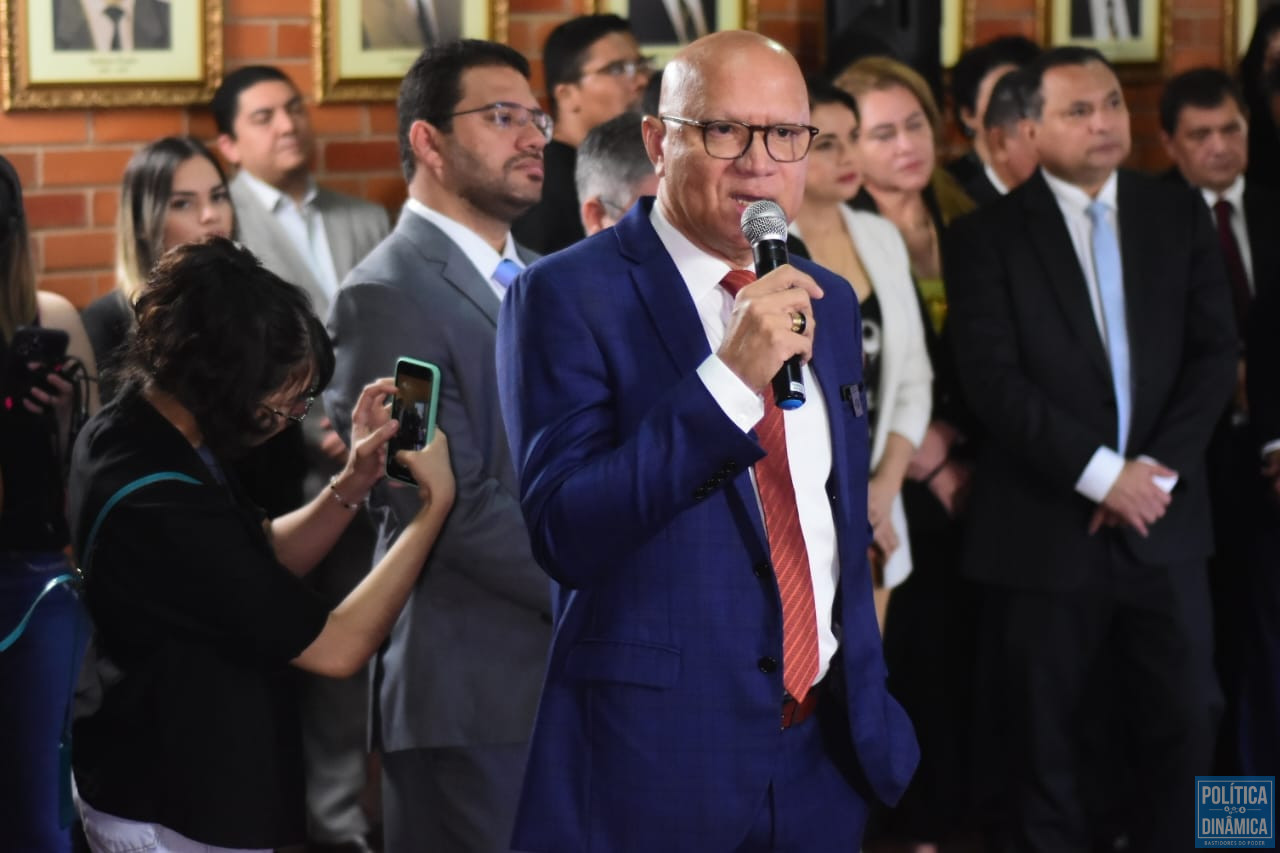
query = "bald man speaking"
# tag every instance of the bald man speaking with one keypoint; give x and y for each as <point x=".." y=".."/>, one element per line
<point x="716" y="681"/>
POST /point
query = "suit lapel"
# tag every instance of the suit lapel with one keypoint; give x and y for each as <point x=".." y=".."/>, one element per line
<point x="457" y="271"/>
<point x="1140" y="244"/>
<point x="1048" y="234"/>
<point x="339" y="230"/>
<point x="72" y="26"/>
<point x="260" y="231"/>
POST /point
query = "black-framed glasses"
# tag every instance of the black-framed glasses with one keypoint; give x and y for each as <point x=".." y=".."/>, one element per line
<point x="508" y="116"/>
<point x="304" y="403"/>
<point x="624" y="67"/>
<point x="728" y="140"/>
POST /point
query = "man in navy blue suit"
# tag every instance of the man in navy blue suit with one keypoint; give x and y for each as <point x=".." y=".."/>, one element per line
<point x="716" y="681"/>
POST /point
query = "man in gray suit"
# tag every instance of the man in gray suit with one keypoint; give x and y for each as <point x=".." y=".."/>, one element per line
<point x="457" y="685"/>
<point x="312" y="237"/>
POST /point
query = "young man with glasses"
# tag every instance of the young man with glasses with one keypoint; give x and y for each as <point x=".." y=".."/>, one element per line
<point x="457" y="685"/>
<point x="594" y="72"/>
<point x="716" y="680"/>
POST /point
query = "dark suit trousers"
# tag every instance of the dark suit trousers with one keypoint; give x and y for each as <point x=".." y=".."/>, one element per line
<point x="1107" y="705"/>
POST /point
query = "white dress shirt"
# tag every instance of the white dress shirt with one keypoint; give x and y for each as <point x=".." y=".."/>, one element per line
<point x="479" y="252"/>
<point x="994" y="179"/>
<point x="807" y="430"/>
<point x="304" y="225"/>
<point x="1104" y="467"/>
<point x="1239" y="227"/>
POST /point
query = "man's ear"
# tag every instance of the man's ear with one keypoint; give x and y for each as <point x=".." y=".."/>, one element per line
<point x="996" y="139"/>
<point x="654" y="130"/>
<point x="1167" y="142"/>
<point x="567" y="98"/>
<point x="229" y="149"/>
<point x="593" y="214"/>
<point x="969" y="121"/>
<point x="424" y="139"/>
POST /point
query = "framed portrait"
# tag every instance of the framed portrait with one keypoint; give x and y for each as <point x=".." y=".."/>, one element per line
<point x="108" y="53"/>
<point x="364" y="47"/>
<point x="1239" y="17"/>
<point x="663" y="26"/>
<point x="1124" y="31"/>
<point x="957" y="30"/>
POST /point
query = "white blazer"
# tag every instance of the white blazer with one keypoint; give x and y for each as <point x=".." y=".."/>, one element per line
<point x="906" y="377"/>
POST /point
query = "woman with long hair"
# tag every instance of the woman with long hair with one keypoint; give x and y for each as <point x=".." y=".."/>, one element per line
<point x="174" y="191"/>
<point x="40" y="400"/>
<point x="868" y="252"/>
<point x="1261" y="60"/>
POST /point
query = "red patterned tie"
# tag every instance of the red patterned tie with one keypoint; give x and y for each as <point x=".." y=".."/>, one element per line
<point x="786" y="540"/>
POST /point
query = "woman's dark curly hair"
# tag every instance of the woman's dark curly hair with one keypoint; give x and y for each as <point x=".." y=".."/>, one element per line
<point x="221" y="333"/>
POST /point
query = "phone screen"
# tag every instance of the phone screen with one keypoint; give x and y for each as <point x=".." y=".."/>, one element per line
<point x="414" y="406"/>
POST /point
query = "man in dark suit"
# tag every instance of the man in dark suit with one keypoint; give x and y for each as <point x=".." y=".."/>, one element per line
<point x="1205" y="132"/>
<point x="711" y="686"/>
<point x="1097" y="364"/>
<point x="456" y="687"/>
<point x="111" y="25"/>
<point x="1007" y="134"/>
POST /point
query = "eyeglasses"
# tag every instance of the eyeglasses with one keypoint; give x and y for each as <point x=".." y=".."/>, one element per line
<point x="506" y="116"/>
<point x="729" y="140"/>
<point x="305" y="403"/>
<point x="624" y="68"/>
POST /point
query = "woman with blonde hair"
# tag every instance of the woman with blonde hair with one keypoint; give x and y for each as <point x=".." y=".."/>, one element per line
<point x="174" y="191"/>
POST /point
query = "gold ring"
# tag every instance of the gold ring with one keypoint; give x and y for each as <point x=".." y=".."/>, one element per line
<point x="799" y="323"/>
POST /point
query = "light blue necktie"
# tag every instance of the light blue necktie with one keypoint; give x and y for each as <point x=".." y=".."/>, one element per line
<point x="1106" y="266"/>
<point x="506" y="272"/>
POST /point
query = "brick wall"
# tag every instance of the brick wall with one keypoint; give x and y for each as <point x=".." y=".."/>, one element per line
<point x="71" y="161"/>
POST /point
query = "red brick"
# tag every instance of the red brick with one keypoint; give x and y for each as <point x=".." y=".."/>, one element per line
<point x="25" y="165"/>
<point x="200" y="124"/>
<point x="293" y="41"/>
<point x="360" y="156"/>
<point x="383" y="118"/>
<point x="43" y="127"/>
<point x="268" y="8"/>
<point x="565" y="8"/>
<point x="55" y="210"/>
<point x="81" y="250"/>
<point x="91" y="166"/>
<point x="388" y="192"/>
<point x="79" y="289"/>
<point x="985" y="30"/>
<point x="339" y="120"/>
<point x="300" y="74"/>
<point x="248" y="41"/>
<point x="105" y="205"/>
<point x="777" y="8"/>
<point x="1192" y="57"/>
<point x="141" y="125"/>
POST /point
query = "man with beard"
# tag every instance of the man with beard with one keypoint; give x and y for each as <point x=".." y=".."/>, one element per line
<point x="457" y="684"/>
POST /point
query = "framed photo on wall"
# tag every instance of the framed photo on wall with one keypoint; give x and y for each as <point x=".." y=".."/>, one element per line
<point x="1239" y="19"/>
<point x="663" y="26"/>
<point x="364" y="47"/>
<point x="107" y="53"/>
<point x="1124" y="31"/>
<point x="957" y="30"/>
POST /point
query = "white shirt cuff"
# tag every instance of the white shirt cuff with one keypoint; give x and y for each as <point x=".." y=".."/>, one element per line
<point x="1271" y="447"/>
<point x="1165" y="484"/>
<point x="1100" y="474"/>
<point x="742" y="405"/>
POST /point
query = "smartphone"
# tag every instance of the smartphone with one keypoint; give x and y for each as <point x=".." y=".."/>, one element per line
<point x="46" y="348"/>
<point x="414" y="406"/>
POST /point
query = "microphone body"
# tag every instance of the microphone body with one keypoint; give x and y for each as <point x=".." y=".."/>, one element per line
<point x="765" y="227"/>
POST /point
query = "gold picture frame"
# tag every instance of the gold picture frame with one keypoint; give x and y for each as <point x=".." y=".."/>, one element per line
<point x="363" y="48"/>
<point x="51" y="58"/>
<point x="1239" y="17"/>
<point x="1138" y="31"/>
<point x="957" y="30"/>
<point x="655" y="28"/>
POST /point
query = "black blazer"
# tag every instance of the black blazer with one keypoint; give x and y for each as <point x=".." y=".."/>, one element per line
<point x="1034" y="371"/>
<point x="980" y="189"/>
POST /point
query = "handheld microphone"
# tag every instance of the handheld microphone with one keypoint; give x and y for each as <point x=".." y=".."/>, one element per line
<point x="765" y="226"/>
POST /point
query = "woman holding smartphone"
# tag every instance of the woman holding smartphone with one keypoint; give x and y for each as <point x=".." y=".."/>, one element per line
<point x="37" y="671"/>
<point x="185" y="731"/>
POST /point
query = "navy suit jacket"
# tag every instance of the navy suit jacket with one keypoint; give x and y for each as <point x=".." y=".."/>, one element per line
<point x="658" y="727"/>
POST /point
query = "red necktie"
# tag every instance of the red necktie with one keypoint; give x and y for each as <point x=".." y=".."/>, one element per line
<point x="1235" y="264"/>
<point x="786" y="541"/>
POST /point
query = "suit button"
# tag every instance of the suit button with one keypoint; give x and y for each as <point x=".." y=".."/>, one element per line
<point x="761" y="568"/>
<point x="767" y="665"/>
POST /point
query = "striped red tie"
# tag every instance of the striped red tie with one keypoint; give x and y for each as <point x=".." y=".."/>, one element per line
<point x="786" y="540"/>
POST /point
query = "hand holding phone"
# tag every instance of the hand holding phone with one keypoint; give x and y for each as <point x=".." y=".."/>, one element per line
<point x="414" y="406"/>
<point x="34" y="353"/>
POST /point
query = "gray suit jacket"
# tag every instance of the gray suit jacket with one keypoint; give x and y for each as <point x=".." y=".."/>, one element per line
<point x="465" y="660"/>
<point x="353" y="227"/>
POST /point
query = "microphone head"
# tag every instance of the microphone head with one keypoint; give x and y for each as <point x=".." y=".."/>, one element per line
<point x="764" y="220"/>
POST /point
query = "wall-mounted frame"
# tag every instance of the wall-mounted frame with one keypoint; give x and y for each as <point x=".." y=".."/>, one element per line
<point x="957" y="30"/>
<point x="1124" y="31"/>
<point x="363" y="48"/>
<point x="1239" y="17"/>
<point x="155" y="53"/>
<point x="663" y="26"/>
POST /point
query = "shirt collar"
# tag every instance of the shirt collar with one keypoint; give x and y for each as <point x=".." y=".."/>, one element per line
<point x="1072" y="197"/>
<point x="477" y="250"/>
<point x="995" y="179"/>
<point x="271" y="197"/>
<point x="1233" y="194"/>
<point x="701" y="272"/>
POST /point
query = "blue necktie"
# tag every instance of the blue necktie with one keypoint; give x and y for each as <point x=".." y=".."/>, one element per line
<point x="506" y="272"/>
<point x="1106" y="266"/>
